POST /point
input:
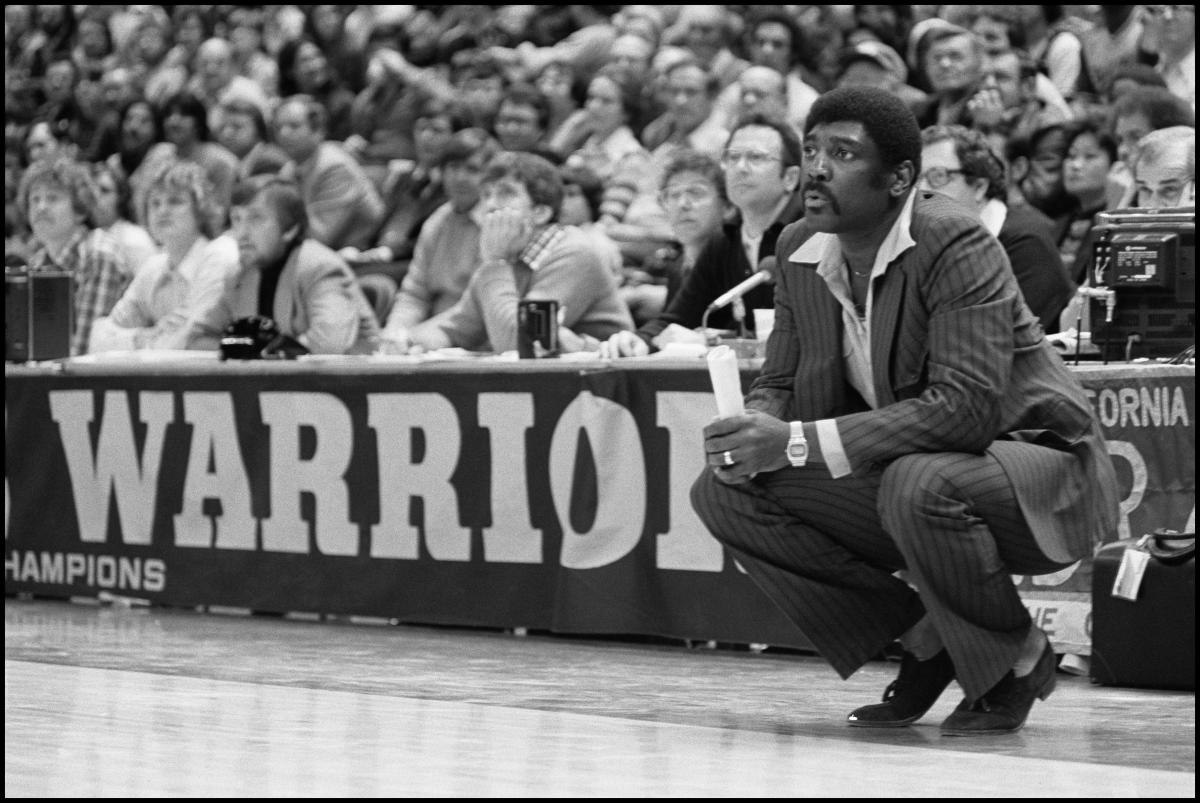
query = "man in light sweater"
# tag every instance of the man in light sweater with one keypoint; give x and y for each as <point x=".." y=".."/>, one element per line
<point x="526" y="255"/>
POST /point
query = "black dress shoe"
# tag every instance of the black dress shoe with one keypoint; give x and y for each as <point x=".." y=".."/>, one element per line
<point x="1005" y="706"/>
<point x="910" y="695"/>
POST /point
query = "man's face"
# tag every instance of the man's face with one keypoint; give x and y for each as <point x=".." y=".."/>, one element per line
<point x="771" y="46"/>
<point x="844" y="185"/>
<point x="430" y="135"/>
<point x="137" y="130"/>
<point x="952" y="64"/>
<point x="461" y="180"/>
<point x="244" y="33"/>
<point x="259" y="234"/>
<point x="687" y="96"/>
<point x="237" y="132"/>
<point x="1174" y="27"/>
<point x="482" y="95"/>
<point x="310" y="68"/>
<point x="762" y="89"/>
<point x="554" y="82"/>
<point x="104" y="210"/>
<point x="753" y="165"/>
<point x="151" y="43"/>
<point x="1129" y="129"/>
<point x="214" y="64"/>
<point x="507" y="193"/>
<point x="116" y="88"/>
<point x="517" y="127"/>
<point x="704" y="35"/>
<point x="693" y="206"/>
<point x="574" y="210"/>
<point x="92" y="38"/>
<point x="508" y="205"/>
<point x="630" y="55"/>
<point x="293" y="132"/>
<point x="1003" y="73"/>
<point x="52" y="216"/>
<point x="941" y="171"/>
<point x="603" y="105"/>
<point x="1166" y="183"/>
<point x="59" y="81"/>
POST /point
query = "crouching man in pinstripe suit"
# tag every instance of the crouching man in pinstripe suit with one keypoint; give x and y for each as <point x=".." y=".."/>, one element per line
<point x="912" y="440"/>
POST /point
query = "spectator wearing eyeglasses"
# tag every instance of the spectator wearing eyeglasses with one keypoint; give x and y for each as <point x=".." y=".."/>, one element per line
<point x="1165" y="168"/>
<point x="960" y="164"/>
<point x="1134" y="115"/>
<point x="693" y="195"/>
<point x="761" y="169"/>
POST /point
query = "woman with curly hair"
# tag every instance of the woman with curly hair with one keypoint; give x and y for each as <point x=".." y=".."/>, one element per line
<point x="188" y="275"/>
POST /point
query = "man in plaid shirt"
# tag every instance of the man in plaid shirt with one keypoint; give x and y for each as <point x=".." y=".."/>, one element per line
<point x="57" y="197"/>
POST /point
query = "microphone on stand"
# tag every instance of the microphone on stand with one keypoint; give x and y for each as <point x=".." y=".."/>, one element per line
<point x="765" y="273"/>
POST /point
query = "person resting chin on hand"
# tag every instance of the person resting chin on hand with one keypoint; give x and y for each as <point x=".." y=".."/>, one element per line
<point x="526" y="254"/>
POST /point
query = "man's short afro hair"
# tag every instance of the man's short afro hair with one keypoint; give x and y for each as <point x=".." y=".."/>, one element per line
<point x="887" y="120"/>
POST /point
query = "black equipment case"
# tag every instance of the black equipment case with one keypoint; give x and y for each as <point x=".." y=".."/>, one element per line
<point x="1150" y="641"/>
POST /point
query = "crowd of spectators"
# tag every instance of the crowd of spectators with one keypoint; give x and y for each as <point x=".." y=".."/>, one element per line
<point x="653" y="133"/>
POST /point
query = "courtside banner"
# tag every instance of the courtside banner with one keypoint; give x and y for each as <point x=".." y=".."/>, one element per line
<point x="550" y="496"/>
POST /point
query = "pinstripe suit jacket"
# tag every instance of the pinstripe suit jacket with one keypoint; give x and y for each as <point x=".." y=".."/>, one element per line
<point x="960" y="365"/>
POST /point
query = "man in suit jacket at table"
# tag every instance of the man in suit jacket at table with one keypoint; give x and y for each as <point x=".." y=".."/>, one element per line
<point x="912" y="440"/>
<point x="309" y="291"/>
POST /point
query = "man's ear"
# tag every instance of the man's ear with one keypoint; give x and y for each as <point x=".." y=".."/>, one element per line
<point x="1018" y="169"/>
<point x="791" y="177"/>
<point x="904" y="176"/>
<point x="542" y="214"/>
<point x="979" y="188"/>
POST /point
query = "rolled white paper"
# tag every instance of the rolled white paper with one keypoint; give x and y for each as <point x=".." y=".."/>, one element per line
<point x="726" y="381"/>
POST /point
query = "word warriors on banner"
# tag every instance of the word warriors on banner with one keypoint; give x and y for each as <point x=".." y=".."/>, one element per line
<point x="313" y="475"/>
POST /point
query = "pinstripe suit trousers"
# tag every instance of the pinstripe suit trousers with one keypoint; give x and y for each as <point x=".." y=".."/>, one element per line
<point x="826" y="551"/>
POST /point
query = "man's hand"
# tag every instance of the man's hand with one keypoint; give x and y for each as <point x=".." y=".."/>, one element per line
<point x="504" y="234"/>
<point x="738" y="447"/>
<point x="623" y="344"/>
<point x="987" y="109"/>
<point x="395" y="340"/>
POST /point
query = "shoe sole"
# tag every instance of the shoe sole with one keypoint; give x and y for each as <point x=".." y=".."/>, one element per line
<point x="991" y="732"/>
<point x="899" y="723"/>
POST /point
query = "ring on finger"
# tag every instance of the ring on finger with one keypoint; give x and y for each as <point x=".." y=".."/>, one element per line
<point x="728" y="458"/>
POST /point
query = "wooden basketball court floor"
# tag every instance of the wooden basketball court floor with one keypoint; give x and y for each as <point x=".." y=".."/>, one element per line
<point x="108" y="700"/>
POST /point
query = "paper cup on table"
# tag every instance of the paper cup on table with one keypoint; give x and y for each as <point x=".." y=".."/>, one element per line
<point x="726" y="381"/>
<point x="764" y="322"/>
